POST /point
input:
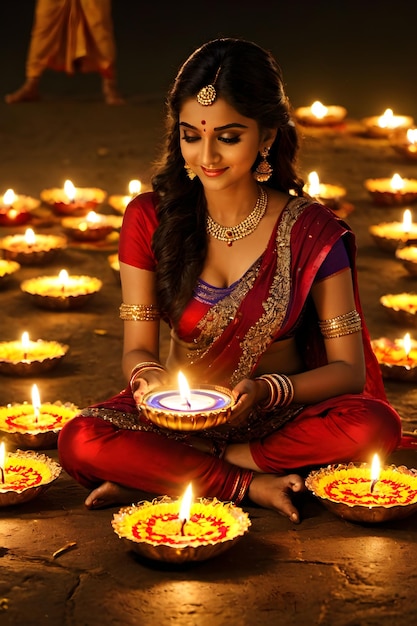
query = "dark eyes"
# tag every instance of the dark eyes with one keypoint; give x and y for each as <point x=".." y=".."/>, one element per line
<point x="227" y="140"/>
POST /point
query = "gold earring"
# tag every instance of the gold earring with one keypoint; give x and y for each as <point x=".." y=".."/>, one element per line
<point x="191" y="175"/>
<point x="264" y="169"/>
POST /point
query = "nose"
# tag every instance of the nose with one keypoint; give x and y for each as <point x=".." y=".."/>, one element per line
<point x="209" y="153"/>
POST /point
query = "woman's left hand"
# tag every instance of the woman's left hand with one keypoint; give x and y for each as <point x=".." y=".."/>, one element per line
<point x="246" y="394"/>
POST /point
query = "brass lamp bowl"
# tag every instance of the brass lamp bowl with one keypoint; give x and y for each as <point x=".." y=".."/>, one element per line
<point x="187" y="419"/>
<point x="345" y="491"/>
<point x="153" y="529"/>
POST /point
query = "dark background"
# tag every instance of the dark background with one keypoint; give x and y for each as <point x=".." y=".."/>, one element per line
<point x="360" y="54"/>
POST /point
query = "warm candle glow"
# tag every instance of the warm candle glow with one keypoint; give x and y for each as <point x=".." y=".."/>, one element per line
<point x="185" y="507"/>
<point x="375" y="468"/>
<point x="387" y="119"/>
<point x="135" y="187"/>
<point x="313" y="188"/>
<point x="407" y="220"/>
<point x="397" y="182"/>
<point x="30" y="237"/>
<point x="93" y="217"/>
<point x="69" y="190"/>
<point x="412" y="135"/>
<point x="2" y="461"/>
<point x="36" y="401"/>
<point x="318" y="109"/>
<point x="63" y="278"/>
<point x="407" y="344"/>
<point x="9" y="197"/>
<point x="184" y="389"/>
<point x="25" y="341"/>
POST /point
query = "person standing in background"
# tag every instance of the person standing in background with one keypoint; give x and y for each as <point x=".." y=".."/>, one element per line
<point x="70" y="36"/>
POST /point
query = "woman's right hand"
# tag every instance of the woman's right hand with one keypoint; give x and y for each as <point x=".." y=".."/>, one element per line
<point x="146" y="382"/>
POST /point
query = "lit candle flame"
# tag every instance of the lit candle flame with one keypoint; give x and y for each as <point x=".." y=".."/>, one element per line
<point x="397" y="182"/>
<point x="36" y="402"/>
<point x="9" y="197"/>
<point x="30" y="237"/>
<point x="375" y="471"/>
<point x="185" y="507"/>
<point x="412" y="135"/>
<point x="134" y="187"/>
<point x="93" y="217"/>
<point x="69" y="190"/>
<point x="2" y="461"/>
<point x="318" y="109"/>
<point x="387" y="119"/>
<point x="407" y="345"/>
<point x="407" y="221"/>
<point x="25" y="344"/>
<point x="184" y="390"/>
<point x="313" y="187"/>
<point x="63" y="278"/>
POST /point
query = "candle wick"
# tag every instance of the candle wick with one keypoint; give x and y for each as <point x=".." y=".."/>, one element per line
<point x="25" y="356"/>
<point x="2" y="476"/>
<point x="373" y="483"/>
<point x="183" y="523"/>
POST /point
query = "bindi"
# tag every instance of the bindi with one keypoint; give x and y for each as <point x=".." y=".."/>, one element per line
<point x="203" y="122"/>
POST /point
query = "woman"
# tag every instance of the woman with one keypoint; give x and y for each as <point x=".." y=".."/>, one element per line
<point x="258" y="284"/>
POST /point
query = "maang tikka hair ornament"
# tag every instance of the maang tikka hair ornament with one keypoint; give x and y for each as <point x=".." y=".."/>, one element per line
<point x="207" y="95"/>
<point x="264" y="169"/>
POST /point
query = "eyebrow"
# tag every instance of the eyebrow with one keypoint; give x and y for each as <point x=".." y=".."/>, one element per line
<point x="225" y="127"/>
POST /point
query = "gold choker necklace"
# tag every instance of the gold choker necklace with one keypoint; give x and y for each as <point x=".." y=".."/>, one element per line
<point x="229" y="234"/>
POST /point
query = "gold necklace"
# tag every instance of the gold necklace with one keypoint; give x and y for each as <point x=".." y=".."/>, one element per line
<point x="229" y="234"/>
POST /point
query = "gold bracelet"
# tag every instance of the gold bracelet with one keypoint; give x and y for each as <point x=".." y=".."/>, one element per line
<point x="342" y="325"/>
<point x="139" y="312"/>
<point x="140" y="368"/>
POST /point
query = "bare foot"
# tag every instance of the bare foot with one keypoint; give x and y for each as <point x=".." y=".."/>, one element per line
<point x="109" y="494"/>
<point x="27" y="93"/>
<point x="273" y="492"/>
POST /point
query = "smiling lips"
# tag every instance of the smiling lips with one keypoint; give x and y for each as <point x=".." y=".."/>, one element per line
<point x="213" y="173"/>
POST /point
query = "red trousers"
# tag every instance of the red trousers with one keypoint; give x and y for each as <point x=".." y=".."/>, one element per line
<point x="346" y="428"/>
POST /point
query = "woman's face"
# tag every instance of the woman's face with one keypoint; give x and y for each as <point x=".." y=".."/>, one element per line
<point x="218" y="143"/>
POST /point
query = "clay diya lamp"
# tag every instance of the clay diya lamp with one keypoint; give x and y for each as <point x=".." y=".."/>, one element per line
<point x="320" y="115"/>
<point x="186" y="409"/>
<point x="93" y="227"/>
<point x="73" y="200"/>
<point x="24" y="476"/>
<point x="179" y="530"/>
<point x="113" y="260"/>
<point x="61" y="292"/>
<point x="120" y="202"/>
<point x="30" y="358"/>
<point x="366" y="493"/>
<point x="325" y="193"/>
<point x="15" y="210"/>
<point x="397" y="358"/>
<point x="406" y="144"/>
<point x="392" y="191"/>
<point x="383" y="126"/>
<point x="408" y="257"/>
<point x="400" y="307"/>
<point x="34" y="426"/>
<point x="390" y="236"/>
<point x="7" y="269"/>
<point x="31" y="248"/>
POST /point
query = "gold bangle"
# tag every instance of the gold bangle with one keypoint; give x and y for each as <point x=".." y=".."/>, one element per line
<point x="139" y="312"/>
<point x="342" y="325"/>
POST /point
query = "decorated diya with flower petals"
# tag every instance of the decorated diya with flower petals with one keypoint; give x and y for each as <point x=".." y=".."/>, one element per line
<point x="24" y="476"/>
<point x="61" y="292"/>
<point x="400" y="307"/>
<point x="29" y="358"/>
<point x="397" y="358"/>
<point x="155" y="530"/>
<point x="350" y="492"/>
<point x="7" y="269"/>
<point x="32" y="427"/>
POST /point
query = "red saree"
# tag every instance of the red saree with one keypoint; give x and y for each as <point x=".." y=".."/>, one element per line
<point x="112" y="441"/>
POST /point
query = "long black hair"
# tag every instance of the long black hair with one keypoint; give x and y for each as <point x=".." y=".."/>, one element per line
<point x="250" y="80"/>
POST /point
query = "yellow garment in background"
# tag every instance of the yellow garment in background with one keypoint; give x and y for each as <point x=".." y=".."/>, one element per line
<point x="72" y="35"/>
